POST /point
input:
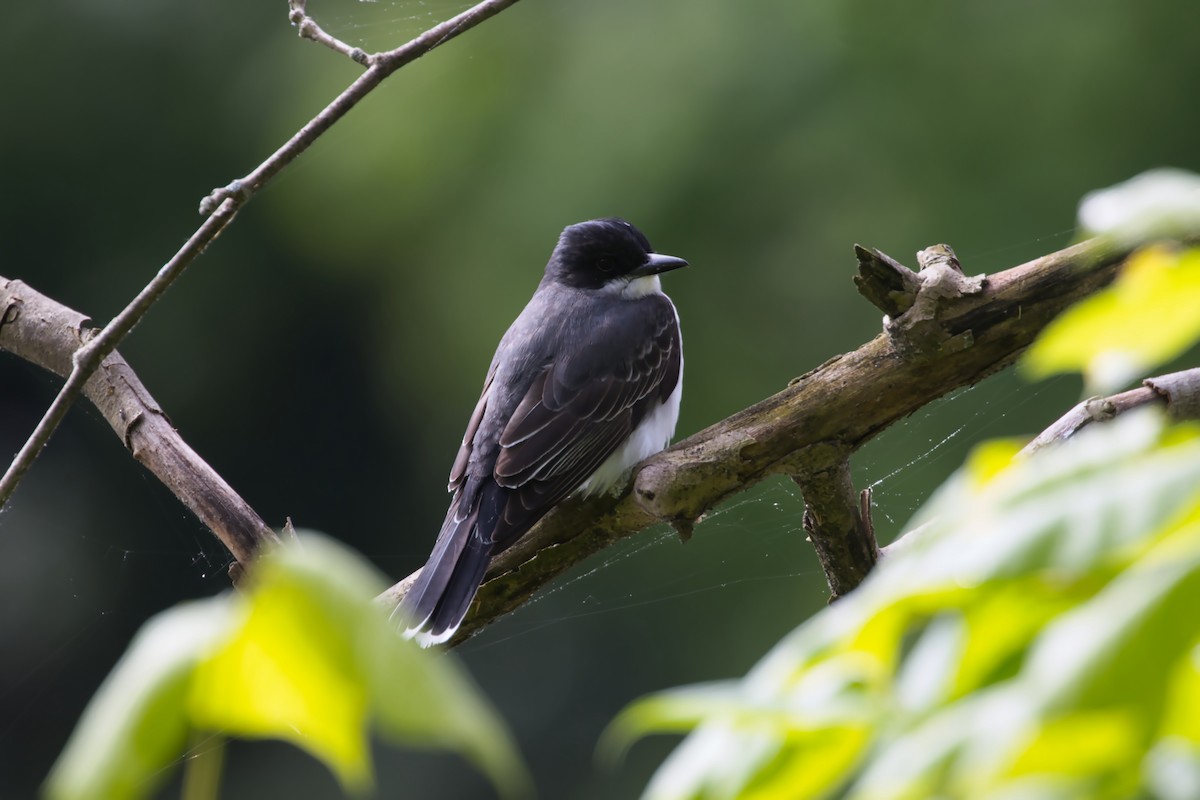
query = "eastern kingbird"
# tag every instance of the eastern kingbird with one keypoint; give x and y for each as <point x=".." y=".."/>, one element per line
<point x="585" y="384"/>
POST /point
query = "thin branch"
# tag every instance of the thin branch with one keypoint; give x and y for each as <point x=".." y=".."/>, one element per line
<point x="308" y="28"/>
<point x="221" y="207"/>
<point x="89" y="356"/>
<point x="382" y="65"/>
<point x="1178" y="391"/>
<point x="1181" y="391"/>
<point x="47" y="333"/>
<point x="848" y="399"/>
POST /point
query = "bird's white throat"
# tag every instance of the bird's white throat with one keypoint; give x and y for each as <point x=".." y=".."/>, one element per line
<point x="638" y="287"/>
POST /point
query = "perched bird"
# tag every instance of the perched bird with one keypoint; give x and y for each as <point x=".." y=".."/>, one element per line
<point x="585" y="384"/>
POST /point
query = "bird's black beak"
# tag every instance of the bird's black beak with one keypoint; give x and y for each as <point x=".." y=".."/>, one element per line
<point x="656" y="263"/>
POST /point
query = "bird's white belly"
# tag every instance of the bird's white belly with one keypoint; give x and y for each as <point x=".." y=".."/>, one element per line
<point x="652" y="435"/>
<point x="649" y="437"/>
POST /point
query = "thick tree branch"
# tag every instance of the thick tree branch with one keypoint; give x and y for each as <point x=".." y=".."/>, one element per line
<point x="46" y="333"/>
<point x="92" y="353"/>
<point x="837" y="522"/>
<point x="848" y="400"/>
<point x="807" y="431"/>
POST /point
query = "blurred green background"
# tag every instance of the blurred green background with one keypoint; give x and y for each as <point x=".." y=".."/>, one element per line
<point x="327" y="350"/>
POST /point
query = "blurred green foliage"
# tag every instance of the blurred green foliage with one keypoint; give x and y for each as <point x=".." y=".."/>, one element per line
<point x="1030" y="639"/>
<point x="1105" y="336"/>
<point x="303" y="654"/>
<point x="1149" y="315"/>
<point x="325" y="352"/>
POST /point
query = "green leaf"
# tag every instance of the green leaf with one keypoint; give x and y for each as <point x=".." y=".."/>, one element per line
<point x="999" y="624"/>
<point x="136" y="724"/>
<point x="915" y="760"/>
<point x="1147" y="317"/>
<point x="679" y="710"/>
<point x="1122" y="646"/>
<point x="1181" y="722"/>
<point x="1091" y="745"/>
<point x="1071" y="509"/>
<point x="290" y="669"/>
<point x="1156" y="204"/>
<point x="1026" y="642"/>
<point x="424" y="699"/>
<point x="305" y="655"/>
<point x="756" y="761"/>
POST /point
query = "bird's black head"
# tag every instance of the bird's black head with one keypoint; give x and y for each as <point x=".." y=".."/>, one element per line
<point x="605" y="252"/>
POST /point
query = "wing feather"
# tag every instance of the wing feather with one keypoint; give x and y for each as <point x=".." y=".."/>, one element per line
<point x="459" y="470"/>
<point x="576" y="413"/>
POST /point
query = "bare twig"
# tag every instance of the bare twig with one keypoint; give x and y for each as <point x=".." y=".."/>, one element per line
<point x="88" y="358"/>
<point x="220" y="207"/>
<point x="1179" y="391"/>
<point x="381" y="66"/>
<point x="308" y="28"/>
<point x="46" y="333"/>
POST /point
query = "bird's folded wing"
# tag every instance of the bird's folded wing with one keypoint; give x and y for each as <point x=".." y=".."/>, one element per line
<point x="459" y="470"/>
<point x="578" y="411"/>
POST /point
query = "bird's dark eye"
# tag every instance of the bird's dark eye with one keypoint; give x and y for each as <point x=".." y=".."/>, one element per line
<point x="605" y="265"/>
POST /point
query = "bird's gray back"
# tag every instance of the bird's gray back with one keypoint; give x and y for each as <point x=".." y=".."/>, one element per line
<point x="567" y="327"/>
<point x="528" y="345"/>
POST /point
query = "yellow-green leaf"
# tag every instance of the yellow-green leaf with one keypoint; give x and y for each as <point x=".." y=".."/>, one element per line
<point x="990" y="459"/>
<point x="1082" y="744"/>
<point x="1044" y="601"/>
<point x="305" y="655"/>
<point x="290" y="672"/>
<point x="1182" y="719"/>
<point x="136" y="724"/>
<point x="423" y="699"/>
<point x="1148" y="316"/>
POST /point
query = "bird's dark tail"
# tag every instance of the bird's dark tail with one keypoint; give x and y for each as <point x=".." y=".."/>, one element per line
<point x="435" y="606"/>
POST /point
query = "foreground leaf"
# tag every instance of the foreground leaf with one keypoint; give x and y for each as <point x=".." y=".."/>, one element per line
<point x="303" y="655"/>
<point x="290" y="670"/>
<point x="137" y="723"/>
<point x="1147" y="317"/>
<point x="1036" y="638"/>
<point x="1159" y="203"/>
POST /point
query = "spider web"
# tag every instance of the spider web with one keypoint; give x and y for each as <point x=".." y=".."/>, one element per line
<point x="755" y="542"/>
<point x="382" y="24"/>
